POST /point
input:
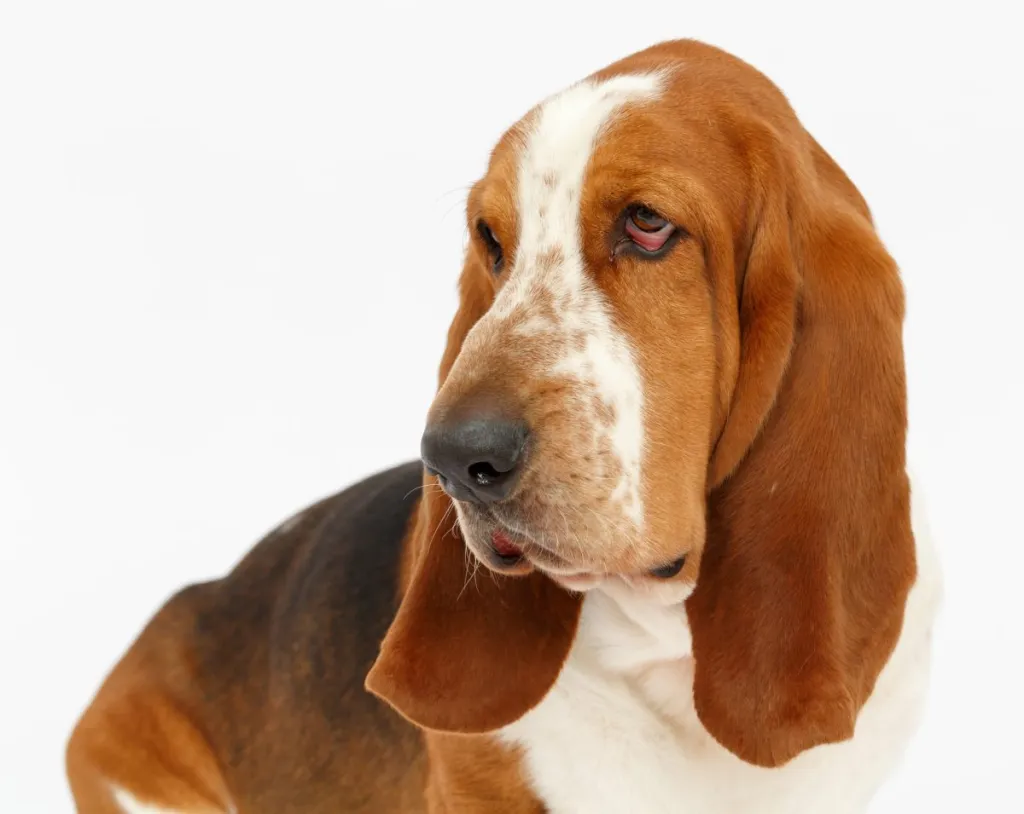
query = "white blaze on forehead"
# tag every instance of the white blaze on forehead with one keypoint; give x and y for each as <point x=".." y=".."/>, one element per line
<point x="586" y="344"/>
<point x="558" y="147"/>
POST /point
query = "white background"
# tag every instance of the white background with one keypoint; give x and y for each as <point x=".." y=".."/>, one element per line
<point x="229" y="237"/>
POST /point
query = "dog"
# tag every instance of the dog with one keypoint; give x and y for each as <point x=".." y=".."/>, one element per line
<point x="665" y="556"/>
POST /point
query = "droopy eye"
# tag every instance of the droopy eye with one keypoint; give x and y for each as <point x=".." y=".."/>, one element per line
<point x="670" y="570"/>
<point x="647" y="229"/>
<point x="492" y="244"/>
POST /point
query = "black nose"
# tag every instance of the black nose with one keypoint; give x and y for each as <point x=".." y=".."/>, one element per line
<point x="477" y="459"/>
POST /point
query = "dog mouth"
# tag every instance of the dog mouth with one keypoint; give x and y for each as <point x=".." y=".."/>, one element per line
<point x="508" y="551"/>
<point x="513" y="551"/>
<point x="507" y="548"/>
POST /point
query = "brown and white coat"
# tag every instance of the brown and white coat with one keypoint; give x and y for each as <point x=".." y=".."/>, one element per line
<point x="705" y="589"/>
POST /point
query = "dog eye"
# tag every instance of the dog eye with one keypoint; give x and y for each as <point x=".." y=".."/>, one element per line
<point x="492" y="244"/>
<point x="647" y="229"/>
<point x="670" y="570"/>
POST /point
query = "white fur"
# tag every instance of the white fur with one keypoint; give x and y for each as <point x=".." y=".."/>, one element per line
<point x="618" y="732"/>
<point x="130" y="804"/>
<point x="558" y="144"/>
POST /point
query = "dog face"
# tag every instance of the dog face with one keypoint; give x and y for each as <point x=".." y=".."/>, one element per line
<point x="677" y="362"/>
<point x="574" y="428"/>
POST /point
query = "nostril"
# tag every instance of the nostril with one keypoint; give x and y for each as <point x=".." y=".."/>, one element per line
<point x="484" y="474"/>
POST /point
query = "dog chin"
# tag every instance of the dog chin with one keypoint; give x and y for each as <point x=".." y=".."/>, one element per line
<point x="579" y="583"/>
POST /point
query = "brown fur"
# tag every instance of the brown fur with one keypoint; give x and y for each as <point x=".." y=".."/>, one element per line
<point x="784" y="374"/>
<point x="770" y="347"/>
<point x="248" y="690"/>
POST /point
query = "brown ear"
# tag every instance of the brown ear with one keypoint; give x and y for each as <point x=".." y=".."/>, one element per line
<point x="469" y="651"/>
<point x="809" y="554"/>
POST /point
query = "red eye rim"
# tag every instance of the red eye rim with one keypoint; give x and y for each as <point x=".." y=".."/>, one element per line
<point x="648" y="230"/>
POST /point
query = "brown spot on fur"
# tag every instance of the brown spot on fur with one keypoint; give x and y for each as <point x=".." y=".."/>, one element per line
<point x="602" y="410"/>
<point x="550" y="260"/>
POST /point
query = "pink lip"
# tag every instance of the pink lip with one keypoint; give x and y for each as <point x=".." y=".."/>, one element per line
<point x="504" y="545"/>
<point x="510" y="544"/>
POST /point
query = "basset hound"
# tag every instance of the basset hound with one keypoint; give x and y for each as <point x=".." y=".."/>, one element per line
<point x="664" y="557"/>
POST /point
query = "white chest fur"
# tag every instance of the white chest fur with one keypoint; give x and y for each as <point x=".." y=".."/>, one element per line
<point x="618" y="731"/>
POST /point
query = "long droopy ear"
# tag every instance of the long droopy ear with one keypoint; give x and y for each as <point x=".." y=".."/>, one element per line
<point x="809" y="554"/>
<point x="469" y="651"/>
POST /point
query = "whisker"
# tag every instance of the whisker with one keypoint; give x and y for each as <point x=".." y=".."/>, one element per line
<point x="471" y="565"/>
<point x="464" y="188"/>
<point x="430" y="542"/>
<point x="435" y="486"/>
<point x="573" y="535"/>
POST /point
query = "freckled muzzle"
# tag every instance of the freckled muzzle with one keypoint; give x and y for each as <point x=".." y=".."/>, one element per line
<point x="536" y="431"/>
